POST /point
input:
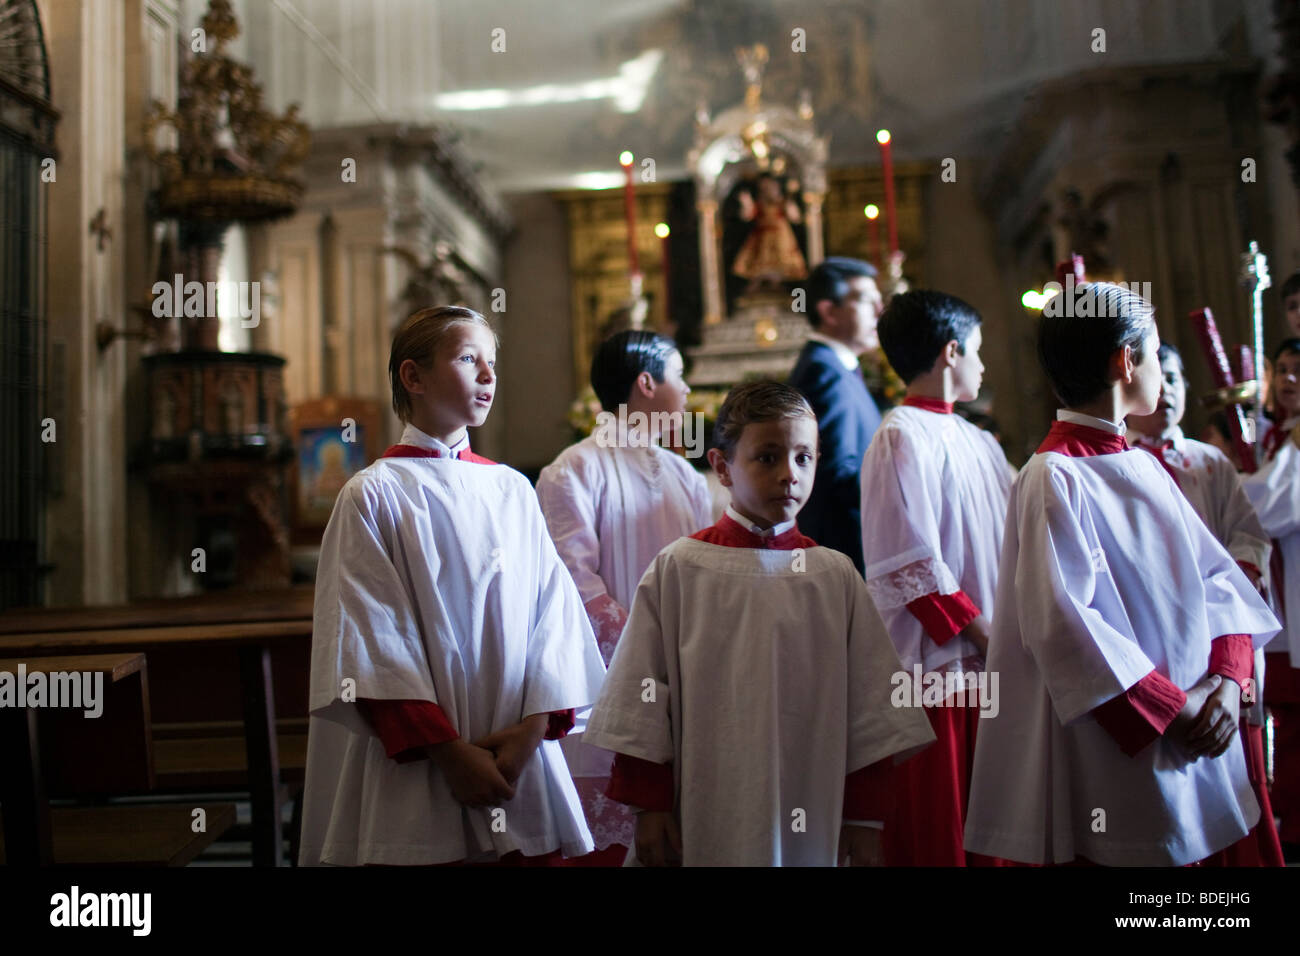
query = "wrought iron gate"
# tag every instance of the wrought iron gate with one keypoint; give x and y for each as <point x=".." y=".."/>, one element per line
<point x="26" y="143"/>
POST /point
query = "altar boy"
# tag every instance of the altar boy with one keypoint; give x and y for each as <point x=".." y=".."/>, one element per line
<point x="754" y="674"/>
<point x="449" y="645"/>
<point x="934" y="503"/>
<point x="1123" y="634"/>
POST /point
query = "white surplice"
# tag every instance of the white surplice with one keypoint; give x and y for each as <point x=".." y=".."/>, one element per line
<point x="934" y="505"/>
<point x="1211" y="484"/>
<point x="1107" y="573"/>
<point x="765" y="677"/>
<point x="1274" y="490"/>
<point x="610" y="510"/>
<point x="438" y="582"/>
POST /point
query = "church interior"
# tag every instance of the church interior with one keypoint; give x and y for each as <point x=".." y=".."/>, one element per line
<point x="217" y="213"/>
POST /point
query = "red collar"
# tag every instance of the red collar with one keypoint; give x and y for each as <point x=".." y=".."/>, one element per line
<point x="929" y="404"/>
<point x="1081" y="441"/>
<point x="729" y="534"/>
<point x="415" y="451"/>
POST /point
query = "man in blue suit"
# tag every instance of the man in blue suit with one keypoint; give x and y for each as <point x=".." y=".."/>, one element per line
<point x="844" y="306"/>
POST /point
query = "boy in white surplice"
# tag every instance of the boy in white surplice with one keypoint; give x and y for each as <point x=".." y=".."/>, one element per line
<point x="1123" y="629"/>
<point x="751" y="689"/>
<point x="934" y="503"/>
<point x="449" y="645"/>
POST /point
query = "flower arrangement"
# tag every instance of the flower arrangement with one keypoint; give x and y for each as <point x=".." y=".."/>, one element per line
<point x="706" y="401"/>
<point x="882" y="381"/>
<point x="583" y="412"/>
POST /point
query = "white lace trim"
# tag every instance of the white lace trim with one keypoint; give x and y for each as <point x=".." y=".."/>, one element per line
<point x="904" y="585"/>
<point x="610" y="822"/>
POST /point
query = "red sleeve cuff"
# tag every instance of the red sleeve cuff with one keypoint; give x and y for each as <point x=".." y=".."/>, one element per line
<point x="1142" y="713"/>
<point x="866" y="792"/>
<point x="1233" y="656"/>
<point x="1250" y="568"/>
<point x="641" y="783"/>
<point x="943" y="615"/>
<point x="559" y="724"/>
<point x="406" y="727"/>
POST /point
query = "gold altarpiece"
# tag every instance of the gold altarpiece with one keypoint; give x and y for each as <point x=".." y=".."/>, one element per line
<point x="598" y="272"/>
<point x="599" y="266"/>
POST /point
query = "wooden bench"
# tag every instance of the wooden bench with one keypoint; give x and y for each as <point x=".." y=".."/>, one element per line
<point x="60" y="747"/>
<point x="132" y="835"/>
<point x="225" y="607"/>
<point x="213" y="755"/>
<point x="204" y="646"/>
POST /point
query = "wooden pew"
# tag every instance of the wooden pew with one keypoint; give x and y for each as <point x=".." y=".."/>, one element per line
<point x="212" y="656"/>
<point x="61" y="750"/>
<point x="225" y="607"/>
<point x="132" y="835"/>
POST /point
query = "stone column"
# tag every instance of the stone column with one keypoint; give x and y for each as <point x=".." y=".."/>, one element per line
<point x="87" y="520"/>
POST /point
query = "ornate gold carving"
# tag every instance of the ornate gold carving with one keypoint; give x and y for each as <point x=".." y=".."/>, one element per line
<point x="234" y="160"/>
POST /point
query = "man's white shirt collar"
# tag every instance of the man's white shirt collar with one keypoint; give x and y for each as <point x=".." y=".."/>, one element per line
<point x="413" y="436"/>
<point x="1078" y="418"/>
<point x="842" y="351"/>
<point x="748" y="525"/>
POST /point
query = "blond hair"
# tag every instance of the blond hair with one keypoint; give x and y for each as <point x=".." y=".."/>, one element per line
<point x="418" y="339"/>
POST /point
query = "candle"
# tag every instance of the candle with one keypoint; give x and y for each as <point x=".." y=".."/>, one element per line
<point x="887" y="164"/>
<point x="872" y="212"/>
<point x="662" y="231"/>
<point x="629" y="211"/>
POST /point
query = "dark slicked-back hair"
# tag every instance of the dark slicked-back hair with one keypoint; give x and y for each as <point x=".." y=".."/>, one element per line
<point x="1075" y="350"/>
<point x="830" y="280"/>
<point x="621" y="358"/>
<point x="1290" y="287"/>
<point x="918" y="325"/>
<point x="754" y="402"/>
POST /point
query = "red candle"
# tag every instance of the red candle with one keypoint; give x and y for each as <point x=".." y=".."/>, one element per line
<point x="629" y="211"/>
<point x="662" y="231"/>
<point x="887" y="163"/>
<point x="873" y="232"/>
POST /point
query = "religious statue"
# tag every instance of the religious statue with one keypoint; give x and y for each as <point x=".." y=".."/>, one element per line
<point x="770" y="254"/>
